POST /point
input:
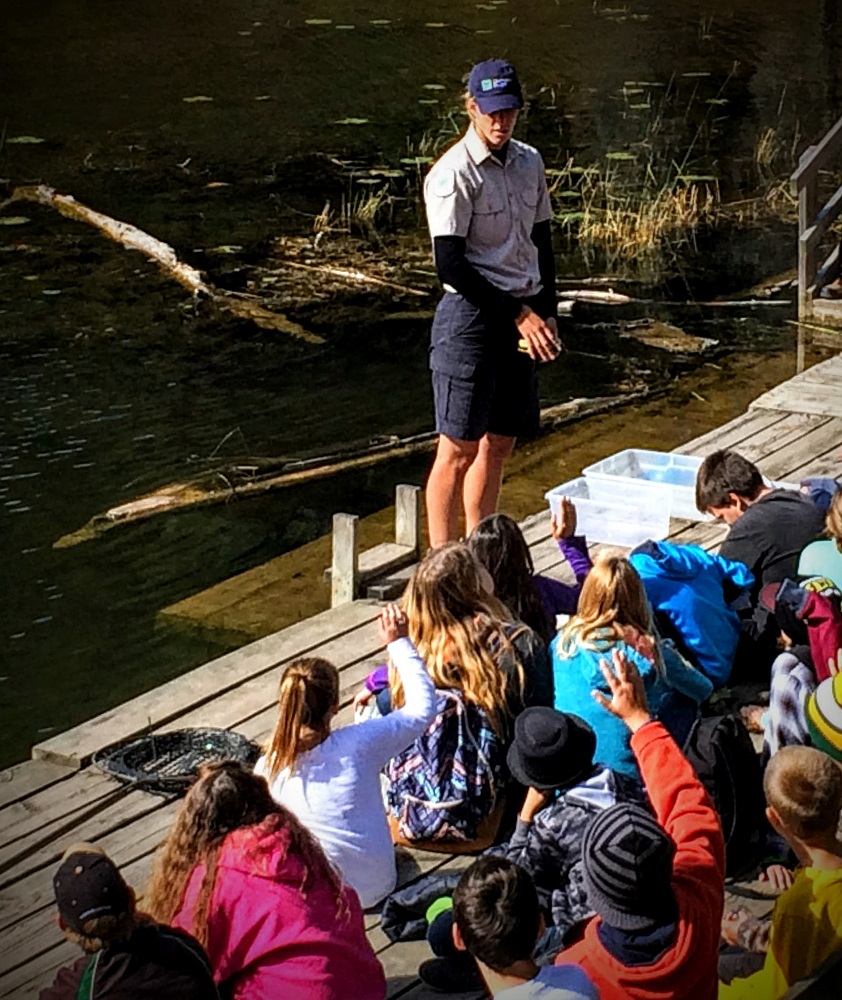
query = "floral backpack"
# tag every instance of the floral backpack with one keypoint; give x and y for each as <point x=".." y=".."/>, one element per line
<point x="449" y="780"/>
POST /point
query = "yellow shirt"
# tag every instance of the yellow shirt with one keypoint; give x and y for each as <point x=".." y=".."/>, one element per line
<point x="806" y="929"/>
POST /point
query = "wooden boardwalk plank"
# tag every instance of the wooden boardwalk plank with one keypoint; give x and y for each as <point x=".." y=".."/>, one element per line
<point x="27" y="778"/>
<point x="732" y="434"/>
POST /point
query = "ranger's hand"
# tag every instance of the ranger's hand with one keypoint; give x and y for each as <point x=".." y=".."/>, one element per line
<point x="540" y="337"/>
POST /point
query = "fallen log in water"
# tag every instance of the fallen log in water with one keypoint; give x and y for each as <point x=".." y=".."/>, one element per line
<point x="164" y="256"/>
<point x="238" y="481"/>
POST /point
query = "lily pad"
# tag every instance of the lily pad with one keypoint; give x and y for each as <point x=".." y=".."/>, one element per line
<point x="24" y="140"/>
<point x="695" y="178"/>
<point x="379" y="22"/>
<point x="428" y="100"/>
<point x="198" y="99"/>
<point x="620" y="154"/>
<point x="318" y="21"/>
<point x="433" y="86"/>
<point x="569" y="194"/>
<point x="351" y="121"/>
<point x="51" y="291"/>
<point x="643" y="106"/>
<point x="436" y="24"/>
<point x="717" y="100"/>
<point x="694" y="75"/>
<point x="226" y="248"/>
<point x="264" y="97"/>
<point x="565" y="218"/>
<point x="416" y="160"/>
<point x="13" y="220"/>
<point x="344" y="27"/>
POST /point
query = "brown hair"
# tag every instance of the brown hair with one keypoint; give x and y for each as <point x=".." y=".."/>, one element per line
<point x="612" y="597"/>
<point x="725" y="472"/>
<point x="307" y="697"/>
<point x="228" y="797"/>
<point x="804" y="787"/>
<point x="833" y="521"/>
<point x="459" y="630"/>
<point x="106" y="932"/>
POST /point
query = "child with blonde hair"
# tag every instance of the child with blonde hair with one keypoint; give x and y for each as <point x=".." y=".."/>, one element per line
<point x="803" y="789"/>
<point x="614" y="614"/>
<point x="330" y="779"/>
<point x="486" y="669"/>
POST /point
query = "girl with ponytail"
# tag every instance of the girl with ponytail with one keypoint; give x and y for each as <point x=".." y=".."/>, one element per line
<point x="330" y="779"/>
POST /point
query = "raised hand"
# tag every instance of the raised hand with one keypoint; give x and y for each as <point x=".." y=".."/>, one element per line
<point x="628" y="698"/>
<point x="392" y="624"/>
<point x="564" y="524"/>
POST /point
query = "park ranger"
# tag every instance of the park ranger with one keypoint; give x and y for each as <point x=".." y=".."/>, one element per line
<point x="488" y="211"/>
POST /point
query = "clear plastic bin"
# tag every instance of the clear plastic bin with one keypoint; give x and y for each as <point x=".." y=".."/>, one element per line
<point x="677" y="473"/>
<point x="633" y="512"/>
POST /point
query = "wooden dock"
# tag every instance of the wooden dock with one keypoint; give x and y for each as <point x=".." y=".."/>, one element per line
<point x="57" y="798"/>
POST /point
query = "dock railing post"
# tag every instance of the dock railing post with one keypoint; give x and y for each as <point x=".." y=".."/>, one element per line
<point x="408" y="517"/>
<point x="343" y="568"/>
<point x="807" y="208"/>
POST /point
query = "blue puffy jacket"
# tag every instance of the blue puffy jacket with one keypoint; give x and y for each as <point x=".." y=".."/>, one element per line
<point x="697" y="593"/>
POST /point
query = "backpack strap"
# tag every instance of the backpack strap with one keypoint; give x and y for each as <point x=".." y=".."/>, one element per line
<point x="462" y="709"/>
<point x="85" y="990"/>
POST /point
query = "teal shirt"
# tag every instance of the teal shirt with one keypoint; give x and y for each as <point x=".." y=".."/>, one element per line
<point x="576" y="673"/>
<point x="822" y="558"/>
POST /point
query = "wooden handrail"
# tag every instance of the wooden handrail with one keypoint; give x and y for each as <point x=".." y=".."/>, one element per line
<point x="820" y="156"/>
<point x="824" y="220"/>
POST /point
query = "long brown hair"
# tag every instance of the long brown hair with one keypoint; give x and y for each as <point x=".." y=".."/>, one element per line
<point x="612" y="599"/>
<point x="307" y="698"/>
<point x="228" y="797"/>
<point x="498" y="544"/>
<point x="459" y="630"/>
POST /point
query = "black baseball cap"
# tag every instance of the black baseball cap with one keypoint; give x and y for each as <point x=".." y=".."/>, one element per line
<point x="494" y="85"/>
<point x="88" y="885"/>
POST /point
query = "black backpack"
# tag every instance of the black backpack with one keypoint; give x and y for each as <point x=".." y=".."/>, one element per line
<point x="721" y="752"/>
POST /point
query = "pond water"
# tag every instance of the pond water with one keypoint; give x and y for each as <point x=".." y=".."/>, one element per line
<point x="109" y="386"/>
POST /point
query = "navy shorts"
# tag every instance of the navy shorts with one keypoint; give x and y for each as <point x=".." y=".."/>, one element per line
<point x="481" y="382"/>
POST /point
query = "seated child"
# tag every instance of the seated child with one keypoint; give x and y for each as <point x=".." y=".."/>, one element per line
<point x="243" y="875"/>
<point x="824" y="556"/>
<point x="126" y="952"/>
<point x="614" y="614"/>
<point x="330" y="777"/>
<point x="553" y="756"/>
<point x="497" y="919"/>
<point x="694" y="595"/>
<point x="498" y="543"/>
<point x="803" y="789"/>
<point x="655" y="883"/>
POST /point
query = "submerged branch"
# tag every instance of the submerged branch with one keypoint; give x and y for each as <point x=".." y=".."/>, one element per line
<point x="248" y="480"/>
<point x="164" y="256"/>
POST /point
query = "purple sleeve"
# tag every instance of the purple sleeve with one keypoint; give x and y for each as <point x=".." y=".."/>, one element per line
<point x="558" y="598"/>
<point x="575" y="551"/>
<point x="378" y="679"/>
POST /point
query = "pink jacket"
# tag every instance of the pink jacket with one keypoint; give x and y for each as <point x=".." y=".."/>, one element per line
<point x="267" y="939"/>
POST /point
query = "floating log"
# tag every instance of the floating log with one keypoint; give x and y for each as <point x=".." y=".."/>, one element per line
<point x="347" y="274"/>
<point x="164" y="256"/>
<point x="256" y="477"/>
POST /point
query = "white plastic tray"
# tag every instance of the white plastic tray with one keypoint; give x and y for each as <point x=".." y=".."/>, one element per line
<point x="632" y="513"/>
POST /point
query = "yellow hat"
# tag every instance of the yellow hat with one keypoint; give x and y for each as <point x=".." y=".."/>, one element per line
<point x="824" y="717"/>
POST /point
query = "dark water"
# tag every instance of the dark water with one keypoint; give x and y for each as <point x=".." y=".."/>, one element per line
<point x="108" y="386"/>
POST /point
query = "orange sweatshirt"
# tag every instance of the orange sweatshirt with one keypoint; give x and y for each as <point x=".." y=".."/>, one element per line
<point x="687" y="970"/>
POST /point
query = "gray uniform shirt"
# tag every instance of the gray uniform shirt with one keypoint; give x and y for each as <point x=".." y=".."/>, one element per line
<point x="493" y="206"/>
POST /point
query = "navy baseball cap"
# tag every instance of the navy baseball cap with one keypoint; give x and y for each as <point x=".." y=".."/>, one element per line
<point x="494" y="85"/>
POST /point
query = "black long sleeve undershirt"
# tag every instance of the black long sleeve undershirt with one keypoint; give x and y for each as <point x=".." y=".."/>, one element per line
<point x="453" y="269"/>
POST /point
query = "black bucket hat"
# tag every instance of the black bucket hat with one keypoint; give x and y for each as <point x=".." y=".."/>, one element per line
<point x="551" y="749"/>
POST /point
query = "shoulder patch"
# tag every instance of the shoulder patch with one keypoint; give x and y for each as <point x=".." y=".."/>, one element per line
<point x="443" y="183"/>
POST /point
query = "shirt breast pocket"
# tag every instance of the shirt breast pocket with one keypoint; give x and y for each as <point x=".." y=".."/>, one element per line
<point x="490" y="220"/>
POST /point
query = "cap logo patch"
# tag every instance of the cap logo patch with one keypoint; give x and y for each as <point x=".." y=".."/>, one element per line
<point x="494" y="83"/>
